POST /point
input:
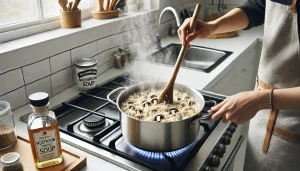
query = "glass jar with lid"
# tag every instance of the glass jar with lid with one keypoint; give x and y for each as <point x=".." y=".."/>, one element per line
<point x="7" y="126"/>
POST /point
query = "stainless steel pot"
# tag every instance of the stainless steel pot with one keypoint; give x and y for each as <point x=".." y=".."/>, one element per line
<point x="158" y="136"/>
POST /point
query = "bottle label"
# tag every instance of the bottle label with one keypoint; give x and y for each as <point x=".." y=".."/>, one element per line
<point x="46" y="145"/>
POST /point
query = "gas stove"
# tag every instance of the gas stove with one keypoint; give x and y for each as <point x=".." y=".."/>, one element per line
<point x="89" y="122"/>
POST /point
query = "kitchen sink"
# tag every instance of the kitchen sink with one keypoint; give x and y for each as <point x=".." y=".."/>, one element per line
<point x="197" y="57"/>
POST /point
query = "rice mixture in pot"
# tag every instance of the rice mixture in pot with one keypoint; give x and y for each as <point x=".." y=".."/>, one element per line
<point x="144" y="106"/>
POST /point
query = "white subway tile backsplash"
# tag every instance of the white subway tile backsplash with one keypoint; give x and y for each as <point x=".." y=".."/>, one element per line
<point x="102" y="68"/>
<point x="11" y="80"/>
<point x="125" y="38"/>
<point x="60" y="61"/>
<point x="15" y="98"/>
<point x="61" y="80"/>
<point x="74" y="74"/>
<point x="109" y="53"/>
<point x="110" y="63"/>
<point x="100" y="58"/>
<point x="103" y="44"/>
<point x="116" y="40"/>
<point x="43" y="85"/>
<point x="30" y="76"/>
<point x="36" y="71"/>
<point x="85" y="51"/>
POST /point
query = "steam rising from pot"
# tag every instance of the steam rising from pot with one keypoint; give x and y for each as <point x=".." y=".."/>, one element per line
<point x="140" y="39"/>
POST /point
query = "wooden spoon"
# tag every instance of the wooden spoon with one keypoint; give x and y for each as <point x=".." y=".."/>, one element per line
<point x="106" y="4"/>
<point x="63" y="4"/>
<point x="167" y="93"/>
<point x="115" y="5"/>
<point x="111" y="4"/>
<point x="75" y="5"/>
<point x="100" y="5"/>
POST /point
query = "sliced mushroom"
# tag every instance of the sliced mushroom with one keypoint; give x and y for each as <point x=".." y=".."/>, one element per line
<point x="172" y="111"/>
<point x="138" y="116"/>
<point x="129" y="102"/>
<point x="154" y="110"/>
<point x="138" y="111"/>
<point x="154" y="101"/>
<point x="187" y="97"/>
<point x="192" y="102"/>
<point x="158" y="117"/>
<point x="153" y="96"/>
<point x="146" y="103"/>
<point x="178" y="98"/>
<point x="131" y="107"/>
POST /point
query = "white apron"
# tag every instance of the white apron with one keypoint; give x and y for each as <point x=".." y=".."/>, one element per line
<point x="279" y="67"/>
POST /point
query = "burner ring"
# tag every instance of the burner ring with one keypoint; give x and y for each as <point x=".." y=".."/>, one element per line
<point x="93" y="121"/>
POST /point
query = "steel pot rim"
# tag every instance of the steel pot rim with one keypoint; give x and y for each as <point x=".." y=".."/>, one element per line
<point x="135" y="85"/>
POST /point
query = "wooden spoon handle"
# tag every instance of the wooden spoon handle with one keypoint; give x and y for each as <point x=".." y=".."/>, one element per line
<point x="194" y="18"/>
<point x="100" y="5"/>
<point x="63" y="4"/>
<point x="115" y="5"/>
<point x="111" y="4"/>
<point x="75" y="4"/>
<point x="184" y="48"/>
<point x="106" y="4"/>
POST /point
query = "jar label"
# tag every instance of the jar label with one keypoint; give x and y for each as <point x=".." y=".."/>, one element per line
<point x="87" y="78"/>
<point x="46" y="145"/>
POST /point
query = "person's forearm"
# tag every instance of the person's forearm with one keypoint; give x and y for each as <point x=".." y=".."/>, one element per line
<point x="283" y="99"/>
<point x="234" y="20"/>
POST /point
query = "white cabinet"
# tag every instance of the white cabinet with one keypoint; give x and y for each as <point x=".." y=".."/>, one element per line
<point x="241" y="77"/>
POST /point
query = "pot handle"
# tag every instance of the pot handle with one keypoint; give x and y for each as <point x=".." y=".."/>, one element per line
<point x="113" y="92"/>
<point x="200" y="117"/>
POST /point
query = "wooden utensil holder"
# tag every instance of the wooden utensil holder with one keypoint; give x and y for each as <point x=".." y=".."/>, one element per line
<point x="70" y="19"/>
<point x="105" y="14"/>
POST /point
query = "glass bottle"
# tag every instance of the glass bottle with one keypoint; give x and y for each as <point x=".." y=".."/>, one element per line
<point x="43" y="132"/>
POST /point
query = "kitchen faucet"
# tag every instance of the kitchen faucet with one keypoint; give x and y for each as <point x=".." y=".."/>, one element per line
<point x="158" y="35"/>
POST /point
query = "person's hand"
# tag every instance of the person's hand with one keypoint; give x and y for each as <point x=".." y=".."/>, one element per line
<point x="241" y="107"/>
<point x="202" y="30"/>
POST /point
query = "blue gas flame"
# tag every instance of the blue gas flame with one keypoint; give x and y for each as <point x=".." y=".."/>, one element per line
<point x="159" y="155"/>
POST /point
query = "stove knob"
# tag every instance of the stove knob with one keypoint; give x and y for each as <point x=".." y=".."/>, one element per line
<point x="229" y="134"/>
<point x="234" y="124"/>
<point x="221" y="149"/>
<point x="214" y="161"/>
<point x="208" y="168"/>
<point x="225" y="139"/>
<point x="232" y="129"/>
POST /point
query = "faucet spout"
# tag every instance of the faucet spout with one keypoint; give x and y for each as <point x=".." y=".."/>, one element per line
<point x="173" y="11"/>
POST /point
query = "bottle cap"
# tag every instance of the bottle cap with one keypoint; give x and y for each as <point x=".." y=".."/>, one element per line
<point x="39" y="99"/>
<point x="10" y="158"/>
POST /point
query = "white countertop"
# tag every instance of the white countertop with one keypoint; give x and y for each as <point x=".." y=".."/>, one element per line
<point x="193" y="78"/>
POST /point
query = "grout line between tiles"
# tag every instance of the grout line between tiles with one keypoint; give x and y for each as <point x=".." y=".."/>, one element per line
<point x="13" y="90"/>
<point x="23" y="76"/>
<point x="51" y="87"/>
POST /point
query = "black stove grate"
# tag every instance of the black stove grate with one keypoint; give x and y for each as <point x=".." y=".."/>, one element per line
<point x="99" y="93"/>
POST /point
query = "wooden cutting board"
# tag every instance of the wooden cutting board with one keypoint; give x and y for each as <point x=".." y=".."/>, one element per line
<point x="72" y="161"/>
